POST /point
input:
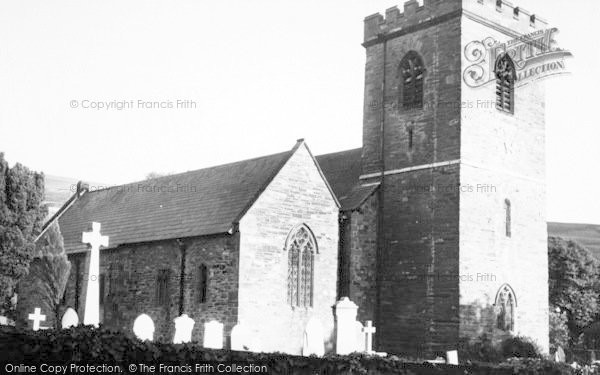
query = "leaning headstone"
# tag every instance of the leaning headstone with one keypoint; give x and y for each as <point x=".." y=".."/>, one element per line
<point x="241" y="339"/>
<point x="452" y="357"/>
<point x="213" y="335"/>
<point x="183" y="329"/>
<point x="143" y="327"/>
<point x="559" y="355"/>
<point x="345" y="320"/>
<point x="313" y="340"/>
<point x="69" y="319"/>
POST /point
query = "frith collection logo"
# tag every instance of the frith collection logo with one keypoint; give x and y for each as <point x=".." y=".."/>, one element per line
<point x="535" y="56"/>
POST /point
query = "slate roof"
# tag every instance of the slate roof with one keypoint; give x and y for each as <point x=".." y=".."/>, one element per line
<point x="196" y="203"/>
<point x="342" y="170"/>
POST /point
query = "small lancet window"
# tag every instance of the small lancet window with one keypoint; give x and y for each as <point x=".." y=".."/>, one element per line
<point x="162" y="287"/>
<point x="505" y="84"/>
<point x="508" y="217"/>
<point x="301" y="247"/>
<point x="203" y="285"/>
<point x="412" y="71"/>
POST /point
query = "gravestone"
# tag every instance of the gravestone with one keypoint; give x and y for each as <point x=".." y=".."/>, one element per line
<point x="213" y="335"/>
<point x="37" y="317"/>
<point x="143" y="327"/>
<point x="559" y="355"/>
<point x="183" y="329"/>
<point x="360" y="338"/>
<point x="69" y="319"/>
<point x="452" y="357"/>
<point x="313" y="342"/>
<point x="369" y="331"/>
<point x="91" y="315"/>
<point x="241" y="338"/>
<point x="345" y="320"/>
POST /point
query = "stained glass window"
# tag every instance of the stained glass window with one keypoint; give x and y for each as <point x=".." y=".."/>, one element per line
<point x="505" y="306"/>
<point x="301" y="247"/>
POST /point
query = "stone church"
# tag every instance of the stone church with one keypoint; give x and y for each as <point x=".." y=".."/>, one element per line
<point x="435" y="228"/>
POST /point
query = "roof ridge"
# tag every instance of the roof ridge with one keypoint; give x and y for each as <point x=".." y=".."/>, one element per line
<point x="339" y="152"/>
<point x="103" y="189"/>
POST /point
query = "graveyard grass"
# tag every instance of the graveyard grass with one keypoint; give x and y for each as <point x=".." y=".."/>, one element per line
<point x="87" y="345"/>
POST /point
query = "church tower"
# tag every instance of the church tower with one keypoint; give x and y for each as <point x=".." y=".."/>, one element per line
<point x="457" y="145"/>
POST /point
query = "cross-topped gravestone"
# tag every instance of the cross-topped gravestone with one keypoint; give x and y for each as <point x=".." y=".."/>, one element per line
<point x="37" y="317"/>
<point x="369" y="331"/>
<point x="92" y="298"/>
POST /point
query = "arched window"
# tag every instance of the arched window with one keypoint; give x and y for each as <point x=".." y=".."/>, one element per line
<point x="506" y="304"/>
<point x="301" y="247"/>
<point x="505" y="84"/>
<point x="508" y="217"/>
<point x="412" y="71"/>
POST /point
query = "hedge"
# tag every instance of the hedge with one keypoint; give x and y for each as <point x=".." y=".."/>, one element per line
<point x="87" y="345"/>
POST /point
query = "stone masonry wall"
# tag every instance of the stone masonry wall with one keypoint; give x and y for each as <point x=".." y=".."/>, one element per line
<point x="503" y="157"/>
<point x="131" y="276"/>
<point x="419" y="293"/>
<point x="297" y="195"/>
<point x="363" y="258"/>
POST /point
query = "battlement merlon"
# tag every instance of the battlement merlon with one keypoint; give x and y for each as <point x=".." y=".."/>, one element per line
<point x="513" y="20"/>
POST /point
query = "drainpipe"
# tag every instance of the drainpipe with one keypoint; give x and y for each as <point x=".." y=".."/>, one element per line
<point x="183" y="249"/>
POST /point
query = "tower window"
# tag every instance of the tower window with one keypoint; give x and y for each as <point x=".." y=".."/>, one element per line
<point x="203" y="285"/>
<point x="162" y="287"/>
<point x="301" y="246"/>
<point x="506" y="304"/>
<point x="412" y="71"/>
<point x="508" y="217"/>
<point x="505" y="84"/>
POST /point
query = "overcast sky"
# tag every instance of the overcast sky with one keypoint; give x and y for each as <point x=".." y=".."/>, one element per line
<point x="261" y="74"/>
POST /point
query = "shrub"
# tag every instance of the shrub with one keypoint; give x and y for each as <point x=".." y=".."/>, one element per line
<point x="479" y="350"/>
<point x="88" y="346"/>
<point x="519" y="347"/>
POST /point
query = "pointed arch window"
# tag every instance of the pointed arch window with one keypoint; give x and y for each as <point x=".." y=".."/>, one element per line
<point x="412" y="71"/>
<point x="301" y="247"/>
<point x="506" y="304"/>
<point x="505" y="84"/>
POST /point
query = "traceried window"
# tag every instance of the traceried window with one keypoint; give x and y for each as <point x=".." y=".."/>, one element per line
<point x="412" y="71"/>
<point x="162" y="287"/>
<point x="505" y="84"/>
<point x="508" y="217"/>
<point x="506" y="304"/>
<point x="301" y="247"/>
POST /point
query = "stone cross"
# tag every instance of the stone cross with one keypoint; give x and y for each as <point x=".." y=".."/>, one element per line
<point x="369" y="331"/>
<point x="37" y="317"/>
<point x="92" y="298"/>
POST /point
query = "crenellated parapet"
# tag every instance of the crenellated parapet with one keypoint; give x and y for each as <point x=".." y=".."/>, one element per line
<point x="504" y="14"/>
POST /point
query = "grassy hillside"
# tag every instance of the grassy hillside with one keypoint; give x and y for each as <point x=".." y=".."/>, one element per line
<point x="587" y="235"/>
